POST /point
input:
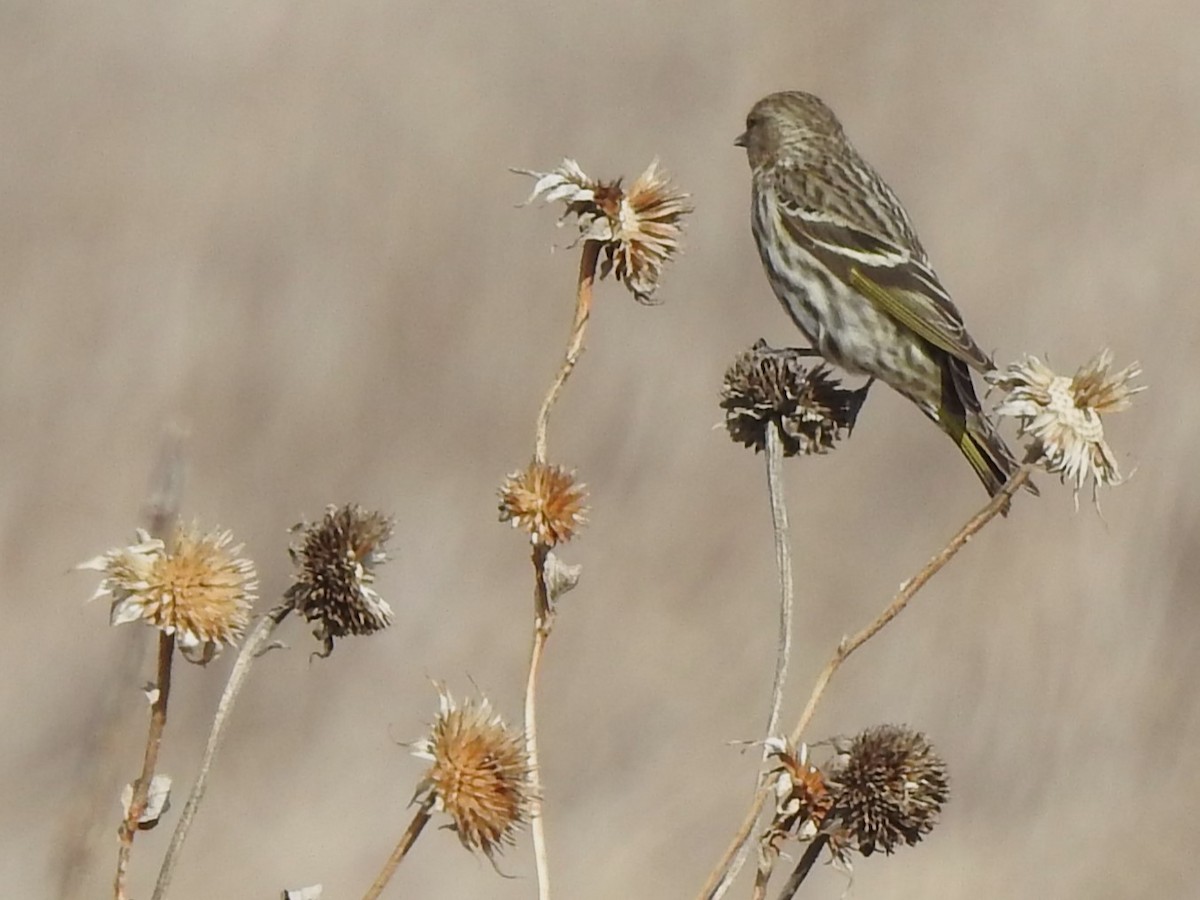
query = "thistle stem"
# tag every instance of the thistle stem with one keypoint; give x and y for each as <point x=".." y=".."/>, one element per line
<point x="583" y="310"/>
<point x="783" y="560"/>
<point x="543" y="622"/>
<point x="803" y="867"/>
<point x="252" y="648"/>
<point x="420" y="820"/>
<point x="722" y="874"/>
<point x="141" y="787"/>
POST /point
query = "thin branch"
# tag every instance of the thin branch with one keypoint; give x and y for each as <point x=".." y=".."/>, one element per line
<point x="252" y="648"/>
<point x="543" y="613"/>
<point x="543" y="622"/>
<point x="406" y="841"/>
<point x="803" y="867"/>
<point x="583" y="310"/>
<point x="141" y="787"/>
<point x="783" y="559"/>
<point x="908" y="590"/>
<point x="720" y="879"/>
<point x="783" y="648"/>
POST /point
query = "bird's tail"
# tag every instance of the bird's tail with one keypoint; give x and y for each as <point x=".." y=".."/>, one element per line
<point x="976" y="436"/>
<point x="986" y="451"/>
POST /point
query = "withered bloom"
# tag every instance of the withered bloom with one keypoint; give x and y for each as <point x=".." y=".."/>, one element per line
<point x="1063" y="415"/>
<point x="195" y="586"/>
<point x="803" y="801"/>
<point x="479" y="774"/>
<point x="336" y="560"/>
<point x="888" y="789"/>
<point x="638" y="229"/>
<point x="810" y="408"/>
<point x="545" y="501"/>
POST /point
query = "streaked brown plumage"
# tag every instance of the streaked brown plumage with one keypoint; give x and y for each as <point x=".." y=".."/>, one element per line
<point x="843" y="259"/>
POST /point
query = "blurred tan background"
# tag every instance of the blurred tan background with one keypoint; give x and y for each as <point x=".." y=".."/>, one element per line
<point x="290" y="228"/>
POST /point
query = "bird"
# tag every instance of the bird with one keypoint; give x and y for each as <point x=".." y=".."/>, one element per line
<point x="845" y="262"/>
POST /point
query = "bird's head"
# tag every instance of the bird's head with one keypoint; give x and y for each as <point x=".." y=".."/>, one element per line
<point x="790" y="120"/>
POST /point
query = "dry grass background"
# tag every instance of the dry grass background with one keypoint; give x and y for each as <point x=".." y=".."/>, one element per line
<point x="290" y="227"/>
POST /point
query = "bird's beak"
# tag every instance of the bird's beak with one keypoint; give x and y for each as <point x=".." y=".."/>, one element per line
<point x="740" y="140"/>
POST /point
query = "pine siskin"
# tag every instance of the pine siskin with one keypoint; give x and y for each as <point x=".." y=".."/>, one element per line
<point x="845" y="262"/>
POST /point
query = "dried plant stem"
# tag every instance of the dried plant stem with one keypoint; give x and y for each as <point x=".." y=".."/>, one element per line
<point x="406" y="841"/>
<point x="720" y="879"/>
<point x="252" y="648"/>
<point x="908" y="590"/>
<point x="783" y="649"/>
<point x="141" y="787"/>
<point x="543" y="622"/>
<point x="783" y="559"/>
<point x="803" y="867"/>
<point x="583" y="310"/>
<point x="543" y="618"/>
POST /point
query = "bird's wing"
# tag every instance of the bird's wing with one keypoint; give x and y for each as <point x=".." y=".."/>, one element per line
<point x="895" y="278"/>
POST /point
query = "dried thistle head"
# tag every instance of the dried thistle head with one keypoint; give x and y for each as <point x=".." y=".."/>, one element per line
<point x="889" y="785"/>
<point x="810" y="408"/>
<point x="335" y="563"/>
<point x="545" y="501"/>
<point x="194" y="586"/>
<point x="803" y="800"/>
<point x="1063" y="415"/>
<point x="638" y="229"/>
<point x="479" y="774"/>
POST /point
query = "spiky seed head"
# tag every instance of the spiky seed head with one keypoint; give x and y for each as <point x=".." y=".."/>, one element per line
<point x="639" y="230"/>
<point x="479" y="774"/>
<point x="335" y="561"/>
<point x="1063" y="415"/>
<point x="193" y="585"/>
<point x="808" y="405"/>
<point x="545" y="501"/>
<point x="888" y="789"/>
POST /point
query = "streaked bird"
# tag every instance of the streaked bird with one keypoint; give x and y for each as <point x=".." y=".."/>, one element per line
<point x="843" y="259"/>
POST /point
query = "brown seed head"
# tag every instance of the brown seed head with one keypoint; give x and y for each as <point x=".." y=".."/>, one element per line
<point x="809" y="407"/>
<point x="194" y="586"/>
<point x="335" y="563"/>
<point x="639" y="230"/>
<point x="888" y="790"/>
<point x="480" y="773"/>
<point x="545" y="501"/>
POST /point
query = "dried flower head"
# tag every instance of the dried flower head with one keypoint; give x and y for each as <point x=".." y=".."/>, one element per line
<point x="195" y="587"/>
<point x="809" y="407"/>
<point x="803" y="801"/>
<point x="1062" y="415"/>
<point x="336" y="560"/>
<point x="480" y="773"/>
<point x="889" y="787"/>
<point x="638" y="229"/>
<point x="545" y="501"/>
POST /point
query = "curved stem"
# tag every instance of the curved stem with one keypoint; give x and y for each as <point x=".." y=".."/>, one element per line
<point x="251" y="649"/>
<point x="583" y="310"/>
<point x="720" y="878"/>
<point x="406" y="841"/>
<point x="141" y="787"/>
